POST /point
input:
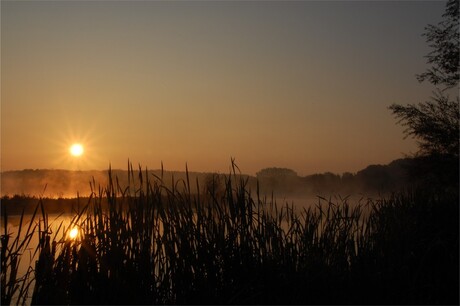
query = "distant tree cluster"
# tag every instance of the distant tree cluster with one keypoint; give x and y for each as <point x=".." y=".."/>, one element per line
<point x="372" y="179"/>
<point x="282" y="179"/>
<point x="276" y="172"/>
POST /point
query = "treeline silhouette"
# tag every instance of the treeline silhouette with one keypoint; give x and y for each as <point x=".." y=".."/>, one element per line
<point x="374" y="179"/>
<point x="440" y="171"/>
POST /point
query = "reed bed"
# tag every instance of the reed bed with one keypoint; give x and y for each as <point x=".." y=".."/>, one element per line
<point x="14" y="247"/>
<point x="149" y="244"/>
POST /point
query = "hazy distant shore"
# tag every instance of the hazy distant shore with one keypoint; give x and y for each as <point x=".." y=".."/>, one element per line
<point x="374" y="179"/>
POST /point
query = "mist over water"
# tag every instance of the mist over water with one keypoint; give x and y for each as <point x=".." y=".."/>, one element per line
<point x="281" y="183"/>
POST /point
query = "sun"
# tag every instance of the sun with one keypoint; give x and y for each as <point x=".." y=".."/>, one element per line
<point x="76" y="149"/>
<point x="73" y="233"/>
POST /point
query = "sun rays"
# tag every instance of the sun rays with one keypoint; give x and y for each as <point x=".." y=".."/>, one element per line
<point x="76" y="148"/>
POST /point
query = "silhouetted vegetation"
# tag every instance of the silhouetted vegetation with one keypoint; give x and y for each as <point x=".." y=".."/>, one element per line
<point x="373" y="180"/>
<point x="170" y="240"/>
<point x="435" y="123"/>
<point x="280" y="179"/>
<point x="66" y="183"/>
<point x="17" y="204"/>
<point x="155" y="245"/>
<point x="444" y="40"/>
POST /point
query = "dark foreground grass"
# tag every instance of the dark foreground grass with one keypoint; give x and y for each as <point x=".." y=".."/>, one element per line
<point x="154" y="245"/>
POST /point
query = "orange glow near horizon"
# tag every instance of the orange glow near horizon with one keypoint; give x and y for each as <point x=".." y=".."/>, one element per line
<point x="198" y="83"/>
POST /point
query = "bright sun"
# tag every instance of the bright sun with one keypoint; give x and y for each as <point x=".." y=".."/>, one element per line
<point x="73" y="233"/>
<point x="76" y="149"/>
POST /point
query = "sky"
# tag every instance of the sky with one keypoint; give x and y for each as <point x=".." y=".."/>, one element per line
<point x="303" y="85"/>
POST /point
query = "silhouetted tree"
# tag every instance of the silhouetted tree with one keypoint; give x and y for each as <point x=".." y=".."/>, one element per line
<point x="435" y="123"/>
<point x="444" y="40"/>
